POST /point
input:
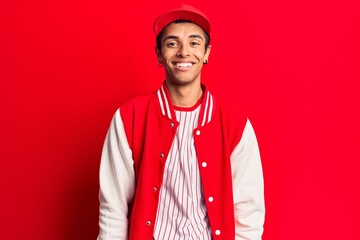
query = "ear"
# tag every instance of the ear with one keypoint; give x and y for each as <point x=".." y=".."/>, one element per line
<point x="158" y="54"/>
<point x="207" y="53"/>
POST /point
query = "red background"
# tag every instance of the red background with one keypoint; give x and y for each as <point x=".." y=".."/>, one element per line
<point x="65" y="66"/>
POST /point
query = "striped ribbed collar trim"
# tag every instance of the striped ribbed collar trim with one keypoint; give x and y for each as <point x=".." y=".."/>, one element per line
<point x="167" y="108"/>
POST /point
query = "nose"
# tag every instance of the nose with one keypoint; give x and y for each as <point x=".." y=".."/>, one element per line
<point x="183" y="51"/>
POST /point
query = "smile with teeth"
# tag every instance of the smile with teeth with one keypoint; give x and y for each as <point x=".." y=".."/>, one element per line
<point x="183" y="65"/>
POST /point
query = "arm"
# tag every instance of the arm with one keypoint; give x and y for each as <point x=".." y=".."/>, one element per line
<point x="117" y="183"/>
<point x="248" y="187"/>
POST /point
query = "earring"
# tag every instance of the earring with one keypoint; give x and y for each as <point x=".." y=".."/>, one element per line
<point x="205" y="61"/>
<point x="160" y="64"/>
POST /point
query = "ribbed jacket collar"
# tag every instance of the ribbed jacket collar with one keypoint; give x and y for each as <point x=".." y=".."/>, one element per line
<point x="167" y="108"/>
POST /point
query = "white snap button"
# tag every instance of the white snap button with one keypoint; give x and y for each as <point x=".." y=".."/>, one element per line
<point x="155" y="189"/>
<point x="172" y="124"/>
<point x="211" y="199"/>
<point x="148" y="223"/>
<point x="217" y="232"/>
<point x="198" y="132"/>
<point x="204" y="164"/>
<point x="162" y="155"/>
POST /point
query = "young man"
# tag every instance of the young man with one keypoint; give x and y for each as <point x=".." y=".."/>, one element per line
<point x="176" y="164"/>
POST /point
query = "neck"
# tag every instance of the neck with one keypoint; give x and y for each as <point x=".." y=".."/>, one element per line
<point x="185" y="95"/>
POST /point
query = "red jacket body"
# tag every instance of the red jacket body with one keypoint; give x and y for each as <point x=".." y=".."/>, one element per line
<point x="150" y="133"/>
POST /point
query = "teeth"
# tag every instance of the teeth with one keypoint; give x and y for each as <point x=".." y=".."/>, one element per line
<point x="183" y="65"/>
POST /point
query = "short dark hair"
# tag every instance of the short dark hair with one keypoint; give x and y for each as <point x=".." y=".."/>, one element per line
<point x="161" y="34"/>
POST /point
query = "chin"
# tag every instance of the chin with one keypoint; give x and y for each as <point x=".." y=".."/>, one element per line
<point x="182" y="79"/>
<point x="177" y="81"/>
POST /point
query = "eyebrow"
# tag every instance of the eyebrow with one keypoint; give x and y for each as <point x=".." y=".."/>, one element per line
<point x="196" y="36"/>
<point x="175" y="37"/>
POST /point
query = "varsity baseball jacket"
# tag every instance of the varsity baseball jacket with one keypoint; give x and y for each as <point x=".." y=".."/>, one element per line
<point x="133" y="159"/>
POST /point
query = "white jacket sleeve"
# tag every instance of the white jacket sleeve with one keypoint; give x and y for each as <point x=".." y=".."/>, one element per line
<point x="248" y="187"/>
<point x="117" y="183"/>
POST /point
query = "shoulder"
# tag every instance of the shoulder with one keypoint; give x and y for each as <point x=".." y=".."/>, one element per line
<point x="232" y="113"/>
<point x="136" y="102"/>
<point x="138" y="105"/>
<point x="233" y="119"/>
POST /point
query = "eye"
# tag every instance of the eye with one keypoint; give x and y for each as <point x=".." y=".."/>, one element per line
<point x="195" y="43"/>
<point x="172" y="44"/>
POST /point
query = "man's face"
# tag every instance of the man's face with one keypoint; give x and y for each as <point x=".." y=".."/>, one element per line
<point x="183" y="53"/>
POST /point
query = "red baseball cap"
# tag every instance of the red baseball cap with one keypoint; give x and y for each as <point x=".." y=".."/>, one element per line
<point x="184" y="12"/>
